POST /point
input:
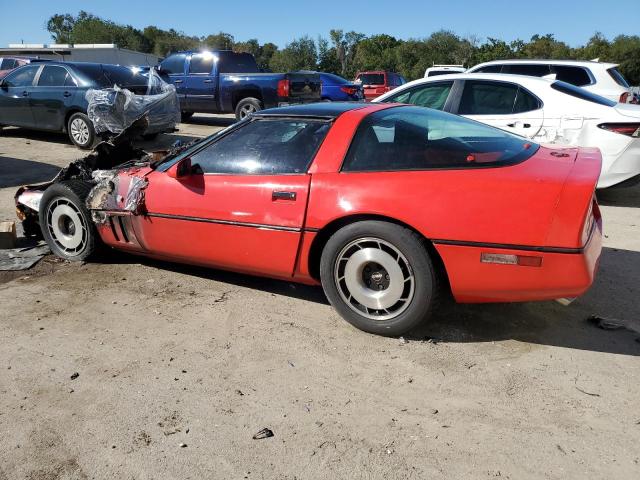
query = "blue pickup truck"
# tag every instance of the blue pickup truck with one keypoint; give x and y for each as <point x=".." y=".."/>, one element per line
<point x="224" y="81"/>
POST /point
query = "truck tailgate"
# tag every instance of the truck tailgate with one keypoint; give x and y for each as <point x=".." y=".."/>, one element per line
<point x="304" y="86"/>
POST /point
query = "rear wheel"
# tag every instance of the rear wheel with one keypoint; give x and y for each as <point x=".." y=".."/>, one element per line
<point x="185" y="116"/>
<point x="66" y="222"/>
<point x="247" y="106"/>
<point x="379" y="277"/>
<point x="80" y="130"/>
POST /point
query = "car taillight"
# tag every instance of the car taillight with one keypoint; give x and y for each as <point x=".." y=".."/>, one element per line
<point x="283" y="88"/>
<point x="349" y="90"/>
<point x="624" y="97"/>
<point x="628" y="129"/>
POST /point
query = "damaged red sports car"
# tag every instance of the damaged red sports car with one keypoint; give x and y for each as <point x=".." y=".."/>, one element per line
<point x="387" y="206"/>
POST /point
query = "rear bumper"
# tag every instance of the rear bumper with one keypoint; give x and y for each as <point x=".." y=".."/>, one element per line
<point x="560" y="275"/>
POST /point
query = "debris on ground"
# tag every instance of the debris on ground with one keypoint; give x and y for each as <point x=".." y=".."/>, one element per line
<point x="74" y="375"/>
<point x="22" y="258"/>
<point x="606" y="323"/>
<point x="403" y="341"/>
<point x="264" y="433"/>
<point x="183" y="445"/>
<point x="7" y="235"/>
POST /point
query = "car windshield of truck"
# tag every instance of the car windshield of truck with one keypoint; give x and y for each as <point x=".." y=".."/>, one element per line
<point x="371" y="78"/>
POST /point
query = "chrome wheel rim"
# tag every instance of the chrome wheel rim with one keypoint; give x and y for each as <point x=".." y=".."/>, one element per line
<point x="80" y="131"/>
<point x="66" y="226"/>
<point x="247" y="110"/>
<point x="374" y="278"/>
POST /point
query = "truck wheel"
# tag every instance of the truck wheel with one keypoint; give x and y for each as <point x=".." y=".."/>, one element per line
<point x="80" y="130"/>
<point x="66" y="222"/>
<point x="184" y="116"/>
<point x="379" y="277"/>
<point x="247" y="106"/>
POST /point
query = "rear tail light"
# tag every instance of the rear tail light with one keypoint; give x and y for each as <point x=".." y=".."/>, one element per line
<point x="628" y="129"/>
<point x="283" y="88"/>
<point x="382" y="90"/>
<point x="349" y="90"/>
<point x="624" y="97"/>
<point x="506" y="259"/>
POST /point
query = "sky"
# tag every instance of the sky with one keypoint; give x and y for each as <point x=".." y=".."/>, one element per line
<point x="572" y="21"/>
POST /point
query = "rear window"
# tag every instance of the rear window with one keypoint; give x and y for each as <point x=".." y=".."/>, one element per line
<point x="414" y="138"/>
<point x="489" y="69"/>
<point x="106" y="76"/>
<point x="371" y="78"/>
<point x="618" y="77"/>
<point x="582" y="94"/>
<point x="231" y="62"/>
<point x="577" y="76"/>
<point x="436" y="73"/>
<point x="334" y="79"/>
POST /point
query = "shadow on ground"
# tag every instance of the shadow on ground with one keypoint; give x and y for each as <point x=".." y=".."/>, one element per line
<point x="38" y="135"/>
<point x="545" y="323"/>
<point x="620" y="197"/>
<point x="15" y="172"/>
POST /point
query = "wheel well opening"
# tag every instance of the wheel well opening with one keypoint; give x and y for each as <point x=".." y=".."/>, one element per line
<point x="325" y="233"/>
<point x="241" y="95"/>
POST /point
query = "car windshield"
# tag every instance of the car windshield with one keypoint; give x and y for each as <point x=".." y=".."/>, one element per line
<point x="106" y="76"/>
<point x="371" y="78"/>
<point x="582" y="94"/>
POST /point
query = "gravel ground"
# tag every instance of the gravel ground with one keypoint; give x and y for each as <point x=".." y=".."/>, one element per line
<point x="130" y="368"/>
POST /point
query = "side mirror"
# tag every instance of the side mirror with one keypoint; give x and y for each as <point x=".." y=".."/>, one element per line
<point x="181" y="169"/>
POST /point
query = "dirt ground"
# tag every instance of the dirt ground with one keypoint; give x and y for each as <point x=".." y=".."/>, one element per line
<point x="133" y="369"/>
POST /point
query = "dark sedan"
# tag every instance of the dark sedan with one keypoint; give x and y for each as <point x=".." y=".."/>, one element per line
<point x="52" y="96"/>
<point x="338" y="89"/>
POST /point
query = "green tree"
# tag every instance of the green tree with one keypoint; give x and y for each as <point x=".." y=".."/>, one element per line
<point x="327" y="58"/>
<point x="376" y="53"/>
<point x="218" y="41"/>
<point x="300" y="54"/>
<point x="60" y="27"/>
<point x="345" y="45"/>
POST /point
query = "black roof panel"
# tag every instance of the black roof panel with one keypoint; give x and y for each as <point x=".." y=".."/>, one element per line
<point x="320" y="109"/>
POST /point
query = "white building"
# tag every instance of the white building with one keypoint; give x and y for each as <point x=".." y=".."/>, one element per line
<point x="85" y="52"/>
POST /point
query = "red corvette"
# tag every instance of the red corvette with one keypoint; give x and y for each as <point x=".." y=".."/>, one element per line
<point x="385" y="205"/>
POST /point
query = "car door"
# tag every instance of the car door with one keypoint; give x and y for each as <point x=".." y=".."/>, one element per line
<point x="430" y="95"/>
<point x="14" y="97"/>
<point x="241" y="204"/>
<point x="200" y="84"/>
<point x="52" y="94"/>
<point x="172" y="69"/>
<point x="504" y="105"/>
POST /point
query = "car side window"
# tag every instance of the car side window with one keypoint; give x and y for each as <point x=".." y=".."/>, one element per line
<point x="526" y="102"/>
<point x="412" y="138"/>
<point x="489" y="69"/>
<point x="201" y="63"/>
<point x="577" y="76"/>
<point x="264" y="147"/>
<point x="53" y="76"/>
<point x="8" y="64"/>
<point x="432" y="95"/>
<point x="487" y="98"/>
<point x="532" y="70"/>
<point x="22" y="77"/>
<point x="173" y="64"/>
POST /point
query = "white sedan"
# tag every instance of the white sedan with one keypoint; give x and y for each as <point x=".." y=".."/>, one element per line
<point x="547" y="111"/>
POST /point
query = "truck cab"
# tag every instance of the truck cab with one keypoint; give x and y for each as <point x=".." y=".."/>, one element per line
<point x="224" y="81"/>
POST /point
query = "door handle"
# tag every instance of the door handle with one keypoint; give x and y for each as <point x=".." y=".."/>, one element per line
<point x="177" y="81"/>
<point x="25" y="94"/>
<point x="67" y="94"/>
<point x="518" y="124"/>
<point x="208" y="81"/>
<point x="283" y="195"/>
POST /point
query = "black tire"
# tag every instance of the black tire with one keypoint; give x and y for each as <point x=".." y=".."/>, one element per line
<point x="60" y="235"/>
<point x="401" y="245"/>
<point x="150" y="136"/>
<point x="247" y="106"/>
<point x="80" y="131"/>
<point x="185" y="116"/>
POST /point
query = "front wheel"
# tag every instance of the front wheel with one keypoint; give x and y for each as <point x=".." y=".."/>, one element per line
<point x="247" y="106"/>
<point x="66" y="222"/>
<point x="379" y="277"/>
